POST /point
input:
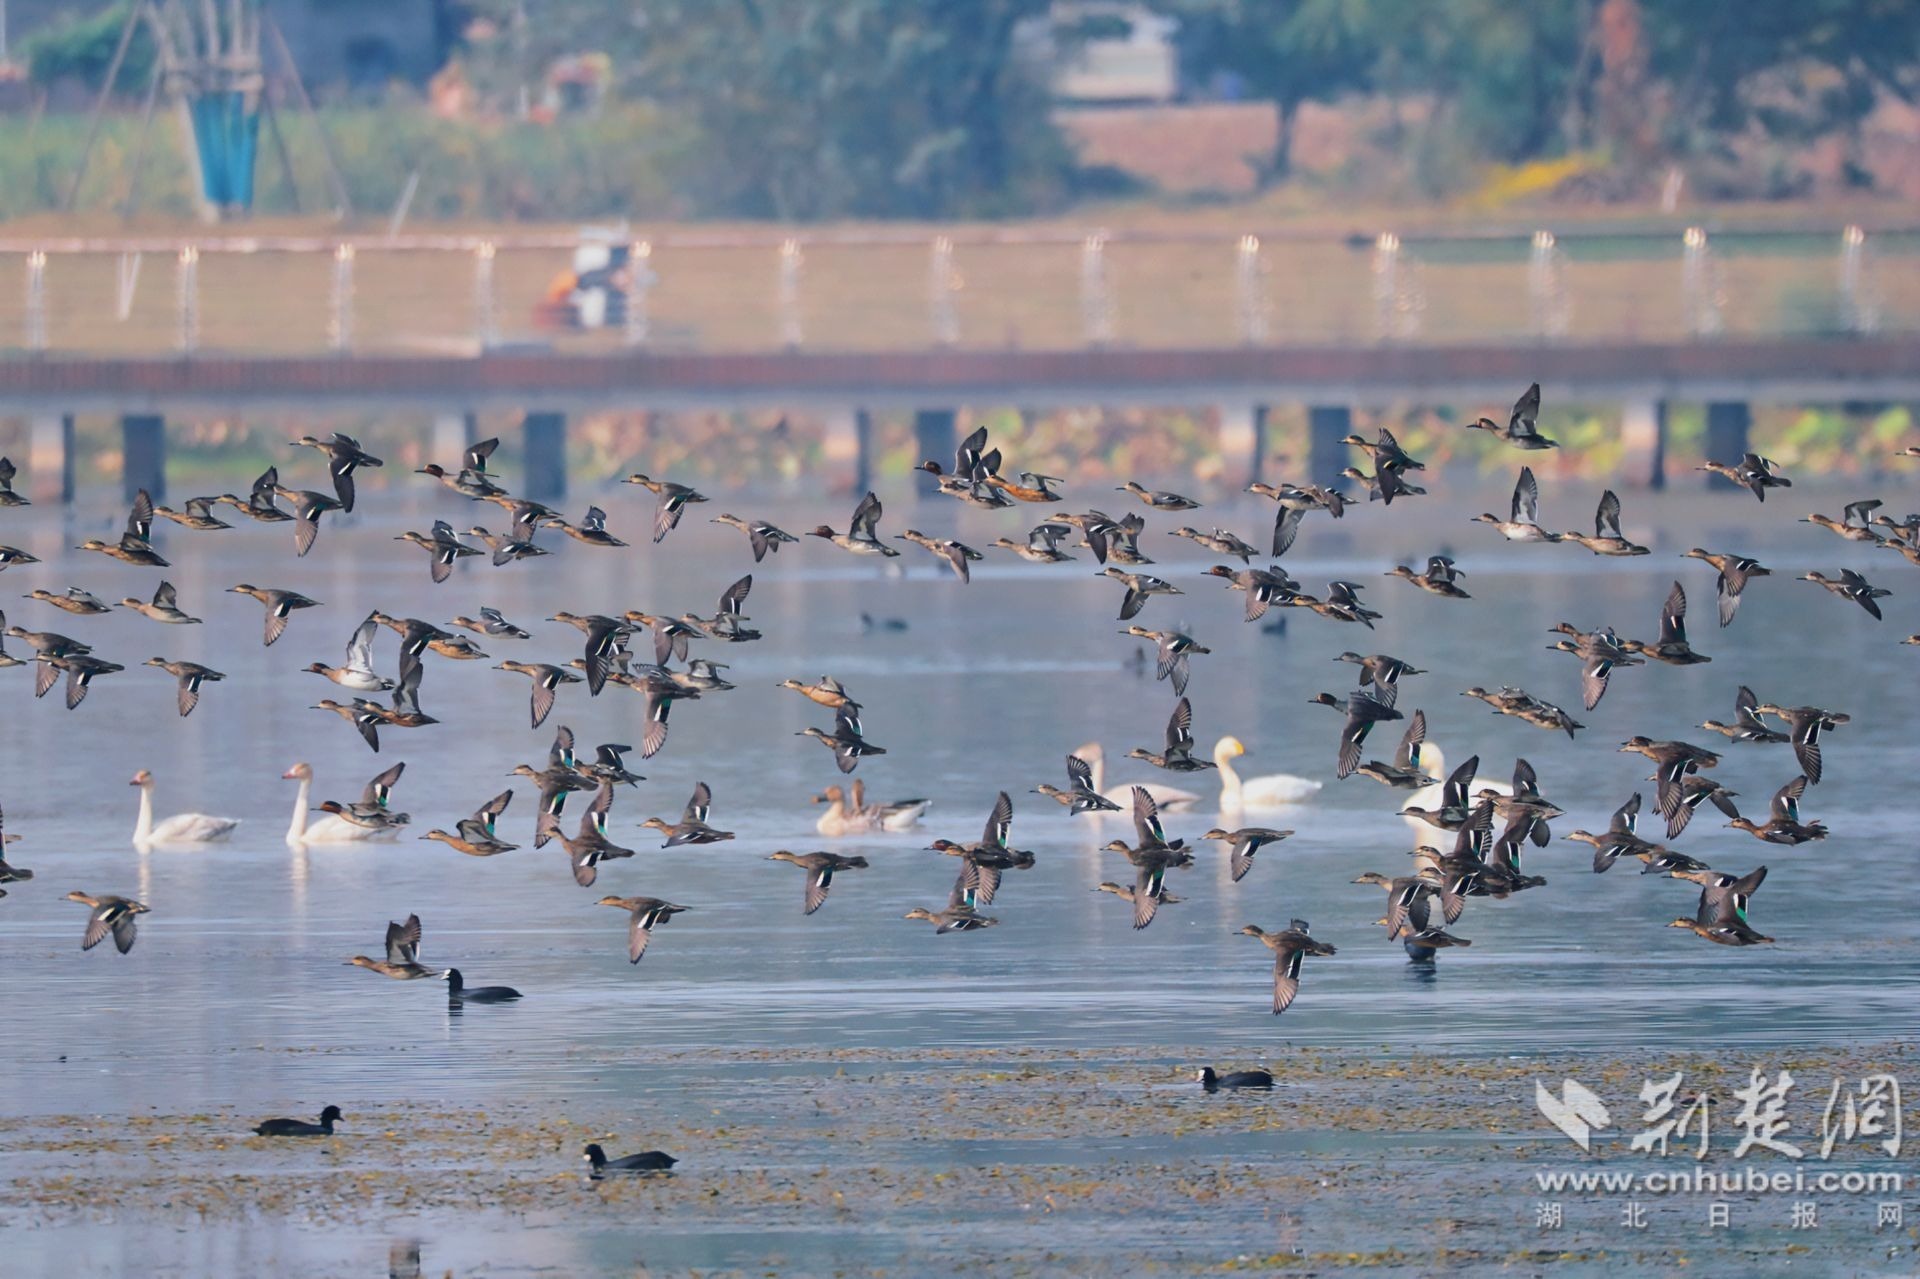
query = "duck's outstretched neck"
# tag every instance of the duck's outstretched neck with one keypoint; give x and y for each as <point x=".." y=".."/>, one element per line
<point x="143" y="825"/>
<point x="297" y="831"/>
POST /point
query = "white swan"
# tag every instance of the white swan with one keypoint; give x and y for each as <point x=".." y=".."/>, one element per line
<point x="1171" y="799"/>
<point x="187" y="828"/>
<point x="328" y="829"/>
<point x="1274" y="790"/>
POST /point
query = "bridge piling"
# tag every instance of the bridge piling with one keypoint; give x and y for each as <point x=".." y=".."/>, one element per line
<point x="50" y="457"/>
<point x="844" y="448"/>
<point x="1643" y="430"/>
<point x="1327" y="426"/>
<point x="862" y="450"/>
<point x="544" y="439"/>
<point x="1243" y="441"/>
<point x="935" y="439"/>
<point x="143" y="444"/>
<point x="452" y="433"/>
<point x="1727" y="426"/>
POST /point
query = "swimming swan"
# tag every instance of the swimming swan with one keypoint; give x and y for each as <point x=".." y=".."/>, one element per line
<point x="187" y="828"/>
<point x="1274" y="790"/>
<point x="328" y="829"/>
<point x="1170" y="798"/>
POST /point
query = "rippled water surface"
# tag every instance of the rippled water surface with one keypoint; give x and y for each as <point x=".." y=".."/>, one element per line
<point x="238" y="993"/>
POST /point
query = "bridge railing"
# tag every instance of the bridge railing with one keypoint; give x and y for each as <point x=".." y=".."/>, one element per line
<point x="982" y="289"/>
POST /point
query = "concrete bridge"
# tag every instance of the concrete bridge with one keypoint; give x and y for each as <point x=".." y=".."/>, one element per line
<point x="1727" y="375"/>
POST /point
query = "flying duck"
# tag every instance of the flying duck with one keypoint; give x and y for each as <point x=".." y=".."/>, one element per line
<point x="820" y="868"/>
<point x="443" y="546"/>
<point x="1159" y="501"/>
<point x="198" y="515"/>
<point x="344" y="455"/>
<point x="589" y="845"/>
<point x="1752" y="472"/>
<point x="956" y="554"/>
<point x="1523" y="428"/>
<point x="1747" y="725"/>
<point x="1404" y="773"/>
<point x="860" y="537"/>
<point x="476" y="835"/>
<point x="547" y="679"/>
<point x="259" y="505"/>
<point x="1851" y="586"/>
<point x="1607" y="538"/>
<point x="114" y="915"/>
<point x="403" y="954"/>
<point x="674" y="499"/>
<point x="1441" y="578"/>
<point x="1854" y="524"/>
<point x="592" y="529"/>
<point x="1177" y="756"/>
<point x="135" y="545"/>
<point x="7" y="496"/>
<point x="1139" y="587"/>
<point x="1080" y="796"/>
<point x="165" y="607"/>
<point x="1804" y="726"/>
<point x="1600" y="653"/>
<point x="280" y="605"/>
<point x="645" y="915"/>
<point x="761" y="535"/>
<point x="1289" y="946"/>
<point x="1243" y="843"/>
<point x="1735" y="572"/>
<point x="1363" y="711"/>
<point x="845" y="741"/>
<point x="74" y="600"/>
<point x="1220" y="542"/>
<point x="692" y="828"/>
<point x="1783" y="824"/>
<point x="490" y="622"/>
<point x="1173" y="649"/>
<point x="1523" y="524"/>
<point x="191" y="675"/>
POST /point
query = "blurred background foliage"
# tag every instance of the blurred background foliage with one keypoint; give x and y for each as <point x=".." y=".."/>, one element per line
<point x="818" y="109"/>
<point x="1091" y="450"/>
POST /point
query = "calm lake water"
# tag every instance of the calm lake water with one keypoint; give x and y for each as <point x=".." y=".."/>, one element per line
<point x="239" y="1001"/>
<point x="237" y="994"/>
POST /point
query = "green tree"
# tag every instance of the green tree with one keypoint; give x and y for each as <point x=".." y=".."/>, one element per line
<point x="80" y="47"/>
<point x="1289" y="52"/>
<point x="1718" y="57"/>
<point x="812" y="109"/>
<point x="820" y="108"/>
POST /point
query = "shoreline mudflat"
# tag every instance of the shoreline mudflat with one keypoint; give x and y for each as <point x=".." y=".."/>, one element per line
<point x="1034" y="1161"/>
